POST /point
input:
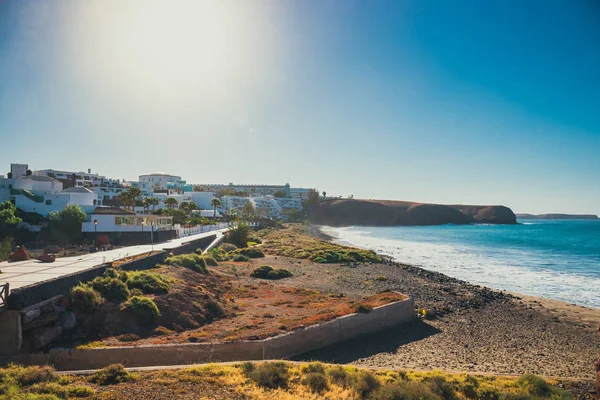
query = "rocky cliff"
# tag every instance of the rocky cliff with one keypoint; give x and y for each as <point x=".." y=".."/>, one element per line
<point x="557" y="216"/>
<point x="345" y="212"/>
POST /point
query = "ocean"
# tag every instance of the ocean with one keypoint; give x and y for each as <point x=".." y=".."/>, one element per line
<point x="556" y="259"/>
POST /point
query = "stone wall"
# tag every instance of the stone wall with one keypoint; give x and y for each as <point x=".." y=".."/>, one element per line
<point x="282" y="346"/>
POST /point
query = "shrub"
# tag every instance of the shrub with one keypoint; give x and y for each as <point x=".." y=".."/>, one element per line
<point x="115" y="273"/>
<point x="111" y="289"/>
<point x="251" y="252"/>
<point x="316" y="381"/>
<point x="80" y="391"/>
<point x="6" y="246"/>
<point x="381" y="278"/>
<point x="210" y="261"/>
<point x="469" y="387"/>
<point x="111" y="375"/>
<point x="227" y="247"/>
<point x="128" y="337"/>
<point x="240" y="258"/>
<point x="267" y="272"/>
<point x="50" y="388"/>
<point x="404" y="391"/>
<point x="147" y="282"/>
<point x="270" y="375"/>
<point x="313" y="367"/>
<point x="144" y="310"/>
<point x="364" y="383"/>
<point x="136" y="292"/>
<point x="441" y="387"/>
<point x="26" y="376"/>
<point x="364" y="308"/>
<point x="85" y="298"/>
<point x="338" y="375"/>
<point x="535" y="385"/>
<point x="247" y="368"/>
<point x="194" y="262"/>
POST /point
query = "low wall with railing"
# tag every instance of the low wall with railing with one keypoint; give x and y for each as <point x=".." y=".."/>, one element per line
<point x="283" y="346"/>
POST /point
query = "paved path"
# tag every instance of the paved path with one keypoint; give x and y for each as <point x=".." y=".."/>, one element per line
<point x="23" y="273"/>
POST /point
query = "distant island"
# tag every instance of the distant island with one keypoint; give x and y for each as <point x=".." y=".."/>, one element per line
<point x="346" y="212"/>
<point x="557" y="216"/>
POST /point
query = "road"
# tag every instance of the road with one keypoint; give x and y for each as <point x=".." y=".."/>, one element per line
<point x="23" y="273"/>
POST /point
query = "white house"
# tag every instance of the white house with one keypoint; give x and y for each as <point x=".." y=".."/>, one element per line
<point x="71" y="178"/>
<point x="114" y="219"/>
<point x="43" y="194"/>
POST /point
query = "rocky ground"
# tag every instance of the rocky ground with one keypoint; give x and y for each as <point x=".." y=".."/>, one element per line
<point x="465" y="328"/>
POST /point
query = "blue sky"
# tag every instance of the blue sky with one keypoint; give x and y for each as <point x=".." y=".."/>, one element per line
<point x="492" y="102"/>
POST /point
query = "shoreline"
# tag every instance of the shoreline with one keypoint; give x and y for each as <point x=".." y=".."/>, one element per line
<point x="467" y="327"/>
<point x="588" y="314"/>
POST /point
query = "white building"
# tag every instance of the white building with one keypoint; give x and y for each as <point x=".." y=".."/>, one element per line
<point x="159" y="180"/>
<point x="112" y="219"/>
<point x="70" y="178"/>
<point x="265" y="206"/>
<point x="43" y="195"/>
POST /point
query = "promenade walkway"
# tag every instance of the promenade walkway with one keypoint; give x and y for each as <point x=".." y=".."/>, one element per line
<point x="23" y="273"/>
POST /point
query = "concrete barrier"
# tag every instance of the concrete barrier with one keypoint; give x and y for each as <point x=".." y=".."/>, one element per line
<point x="283" y="346"/>
<point x="11" y="334"/>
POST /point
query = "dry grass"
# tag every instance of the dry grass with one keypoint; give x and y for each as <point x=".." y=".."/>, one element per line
<point x="273" y="380"/>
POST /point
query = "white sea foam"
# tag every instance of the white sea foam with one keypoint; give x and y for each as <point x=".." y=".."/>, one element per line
<point x="475" y="266"/>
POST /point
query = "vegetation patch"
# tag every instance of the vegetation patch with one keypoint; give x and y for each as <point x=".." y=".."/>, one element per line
<point x="147" y="282"/>
<point x="112" y="375"/>
<point x="144" y="310"/>
<point x="267" y="272"/>
<point x="85" y="298"/>
<point x="195" y="262"/>
<point x="112" y="289"/>
<point x="250" y="252"/>
<point x="275" y="380"/>
<point x="293" y="242"/>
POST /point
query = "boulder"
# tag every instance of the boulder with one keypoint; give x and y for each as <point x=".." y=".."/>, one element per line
<point x="20" y="254"/>
<point x="47" y="258"/>
<point x="67" y="320"/>
<point x="30" y="315"/>
<point x="40" y="321"/>
<point x="42" y="337"/>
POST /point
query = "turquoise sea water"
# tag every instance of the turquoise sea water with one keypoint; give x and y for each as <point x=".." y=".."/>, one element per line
<point x="558" y="259"/>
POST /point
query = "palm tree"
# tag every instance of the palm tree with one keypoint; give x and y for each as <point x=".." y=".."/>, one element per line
<point x="125" y="199"/>
<point x="215" y="203"/>
<point x="324" y="194"/>
<point x="153" y="201"/>
<point x="146" y="203"/>
<point x="171" y="202"/>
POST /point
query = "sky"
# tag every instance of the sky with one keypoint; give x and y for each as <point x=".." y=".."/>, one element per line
<point x="471" y="102"/>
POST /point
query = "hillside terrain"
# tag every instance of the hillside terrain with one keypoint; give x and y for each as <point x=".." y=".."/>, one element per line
<point x="557" y="216"/>
<point x="345" y="212"/>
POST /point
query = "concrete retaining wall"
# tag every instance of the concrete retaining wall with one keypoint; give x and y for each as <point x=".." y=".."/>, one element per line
<point x="190" y="247"/>
<point x="282" y="346"/>
<point x="28" y="295"/>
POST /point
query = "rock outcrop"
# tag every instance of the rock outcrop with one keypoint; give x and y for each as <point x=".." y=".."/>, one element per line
<point x="346" y="212"/>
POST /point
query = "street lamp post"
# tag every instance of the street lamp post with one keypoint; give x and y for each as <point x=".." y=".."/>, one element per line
<point x="152" y="234"/>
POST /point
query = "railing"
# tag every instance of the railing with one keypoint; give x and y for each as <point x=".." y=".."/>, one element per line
<point x="3" y="294"/>
<point x="193" y="230"/>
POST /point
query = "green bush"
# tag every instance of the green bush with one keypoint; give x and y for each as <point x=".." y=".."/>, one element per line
<point x="316" y="381"/>
<point x="111" y="375"/>
<point x="25" y="376"/>
<point x="364" y="383"/>
<point x="364" y="308"/>
<point x="194" y="262"/>
<point x="115" y="273"/>
<point x="247" y="368"/>
<point x="80" y="391"/>
<point x="469" y="387"/>
<point x="144" y="310"/>
<point x="441" y="387"/>
<point x="147" y="282"/>
<point x="210" y="261"/>
<point x="404" y="391"/>
<point x="267" y="272"/>
<point x="227" y="247"/>
<point x="85" y="298"/>
<point x="270" y="375"/>
<point x="239" y="234"/>
<point x="338" y="375"/>
<point x="313" y="367"/>
<point x="251" y="252"/>
<point x="240" y="258"/>
<point x="49" y="388"/>
<point x="535" y="385"/>
<point x="111" y="289"/>
<point x="6" y="246"/>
